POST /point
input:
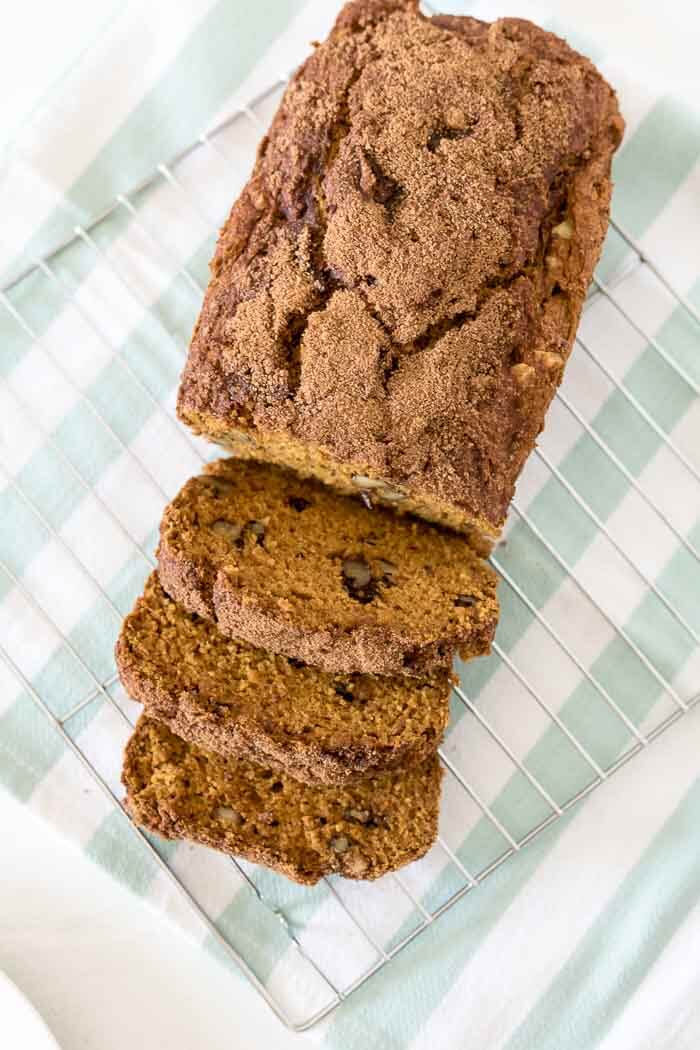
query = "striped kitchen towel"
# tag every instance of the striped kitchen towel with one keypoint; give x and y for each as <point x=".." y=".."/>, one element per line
<point x="587" y="938"/>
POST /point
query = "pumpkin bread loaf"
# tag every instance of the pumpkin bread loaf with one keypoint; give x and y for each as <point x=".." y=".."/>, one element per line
<point x="396" y="291"/>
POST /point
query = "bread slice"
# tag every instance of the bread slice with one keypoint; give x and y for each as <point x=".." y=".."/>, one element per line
<point x="361" y="831"/>
<point x="289" y="566"/>
<point x="236" y="700"/>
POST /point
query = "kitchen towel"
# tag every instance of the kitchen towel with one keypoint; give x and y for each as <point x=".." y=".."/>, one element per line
<point x="90" y="350"/>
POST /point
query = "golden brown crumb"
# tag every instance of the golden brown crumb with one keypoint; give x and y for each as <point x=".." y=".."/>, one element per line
<point x="361" y="831"/>
<point x="287" y="565"/>
<point x="228" y="697"/>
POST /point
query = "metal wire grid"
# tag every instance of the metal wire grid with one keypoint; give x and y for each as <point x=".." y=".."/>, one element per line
<point x="424" y="912"/>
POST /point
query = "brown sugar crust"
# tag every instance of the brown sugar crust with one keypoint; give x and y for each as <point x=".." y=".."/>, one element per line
<point x="361" y="831"/>
<point x="397" y="289"/>
<point x="289" y="566"/>
<point x="228" y="697"/>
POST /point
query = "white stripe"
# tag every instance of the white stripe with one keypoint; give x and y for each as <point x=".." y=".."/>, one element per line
<point x="62" y="590"/>
<point x="131" y="709"/>
<point x="19" y="440"/>
<point x="577" y="622"/>
<point x="686" y="434"/>
<point x="34" y="60"/>
<point x="209" y="876"/>
<point x="102" y="548"/>
<point x="663" y="1014"/>
<point x="297" y="987"/>
<point x="687" y="681"/>
<point x="642" y="534"/>
<point x="28" y="638"/>
<point x="166" y="897"/>
<point x="636" y="97"/>
<point x="88" y="807"/>
<point x="668" y="482"/>
<point x="598" y="566"/>
<point x="135" y="500"/>
<point x="46" y="394"/>
<point x="172" y="470"/>
<point x="678" y="225"/>
<point x="612" y="340"/>
<point x="75" y="123"/>
<point x="102" y="742"/>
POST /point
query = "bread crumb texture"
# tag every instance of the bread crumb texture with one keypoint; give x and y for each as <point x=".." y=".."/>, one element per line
<point x="361" y="831"/>
<point x="287" y="565"/>
<point x="237" y="700"/>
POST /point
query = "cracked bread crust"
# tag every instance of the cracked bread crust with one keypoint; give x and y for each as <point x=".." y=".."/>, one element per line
<point x="227" y="697"/>
<point x="266" y="555"/>
<point x="361" y="831"/>
<point x="397" y="289"/>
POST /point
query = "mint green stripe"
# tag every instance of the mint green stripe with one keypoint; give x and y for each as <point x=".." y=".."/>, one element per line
<point x="128" y="583"/>
<point x="677" y="580"/>
<point x="580" y="42"/>
<point x="254" y="931"/>
<point x="51" y="487"/>
<point x="527" y="561"/>
<point x="680" y="334"/>
<point x="654" y="162"/>
<point x="62" y="682"/>
<point x="156" y="347"/>
<point x="21" y="535"/>
<point x="29" y="747"/>
<point x="39" y="300"/>
<point x="648" y="169"/>
<point x="82" y="720"/>
<point x="657" y="387"/>
<point x="447" y="946"/>
<point x="599" y="482"/>
<point x="116" y="846"/>
<point x="216" y="57"/>
<point x="88" y="446"/>
<point x="165" y="848"/>
<point x="225" y="63"/>
<point x="597" y="982"/>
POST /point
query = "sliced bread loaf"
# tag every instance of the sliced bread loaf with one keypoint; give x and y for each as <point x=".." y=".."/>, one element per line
<point x="362" y="831"/>
<point x="287" y="565"/>
<point x="231" y="698"/>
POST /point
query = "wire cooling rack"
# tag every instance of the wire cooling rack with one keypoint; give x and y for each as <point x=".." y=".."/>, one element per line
<point x="538" y="725"/>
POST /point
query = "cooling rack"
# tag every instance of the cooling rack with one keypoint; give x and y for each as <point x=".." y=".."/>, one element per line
<point x="596" y="652"/>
